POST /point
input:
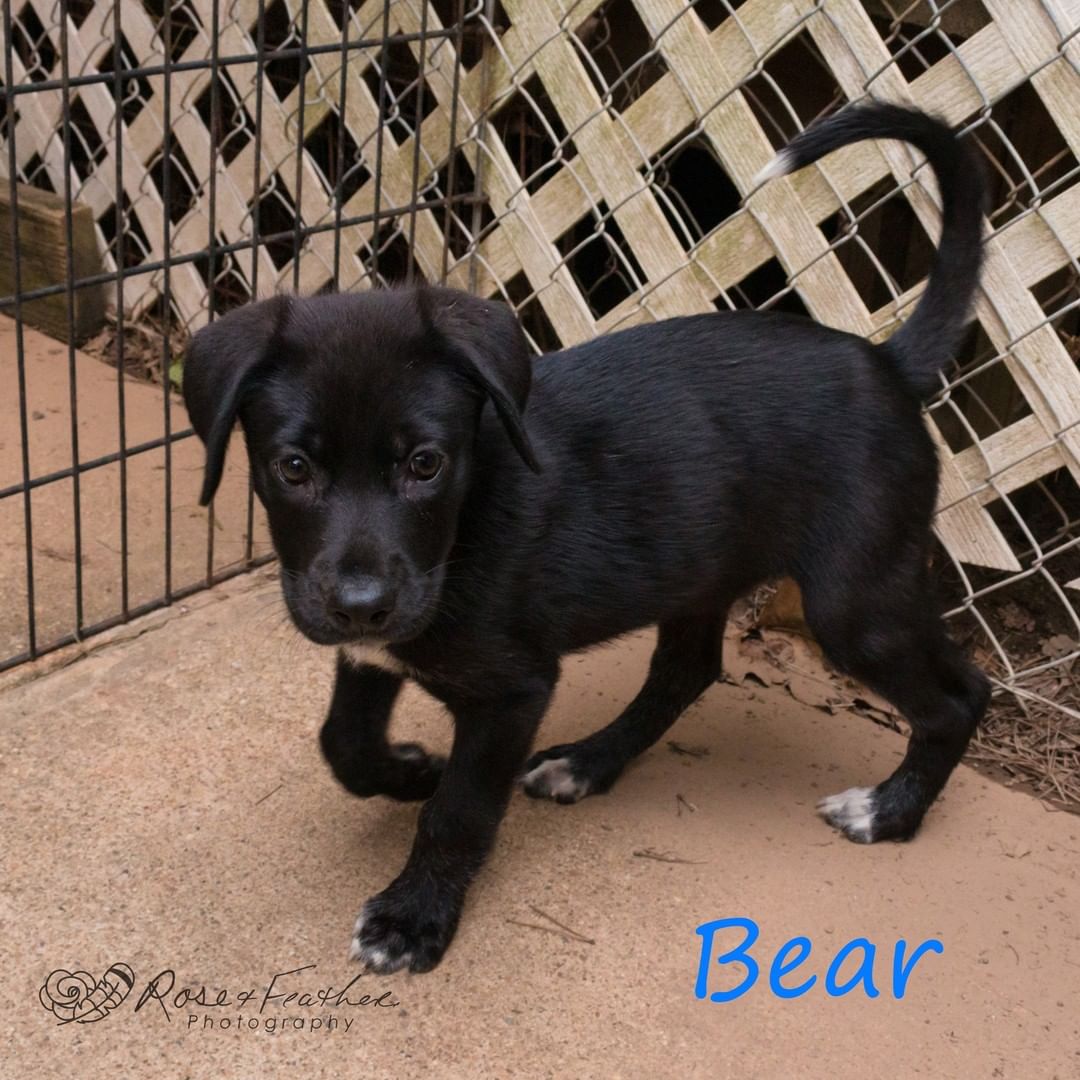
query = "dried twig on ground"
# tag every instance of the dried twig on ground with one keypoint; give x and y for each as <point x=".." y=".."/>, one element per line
<point x="663" y="856"/>
<point x="558" y="928"/>
<point x="688" y="751"/>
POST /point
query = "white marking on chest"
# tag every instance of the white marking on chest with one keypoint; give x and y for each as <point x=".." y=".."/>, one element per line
<point x="359" y="653"/>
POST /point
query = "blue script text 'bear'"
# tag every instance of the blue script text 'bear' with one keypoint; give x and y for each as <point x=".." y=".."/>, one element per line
<point x="793" y="953"/>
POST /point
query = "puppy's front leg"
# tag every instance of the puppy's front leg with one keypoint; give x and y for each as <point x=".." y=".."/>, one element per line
<point x="353" y="738"/>
<point x="411" y="922"/>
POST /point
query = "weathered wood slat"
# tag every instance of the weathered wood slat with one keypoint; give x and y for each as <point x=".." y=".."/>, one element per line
<point x="44" y="256"/>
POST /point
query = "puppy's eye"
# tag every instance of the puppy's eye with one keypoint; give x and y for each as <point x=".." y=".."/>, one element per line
<point x="293" y="469"/>
<point x="426" y="464"/>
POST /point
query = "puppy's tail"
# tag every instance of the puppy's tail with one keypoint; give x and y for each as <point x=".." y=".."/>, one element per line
<point x="923" y="345"/>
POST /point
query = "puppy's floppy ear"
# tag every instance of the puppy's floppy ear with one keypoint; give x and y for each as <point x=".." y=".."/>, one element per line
<point x="220" y="358"/>
<point x="486" y="340"/>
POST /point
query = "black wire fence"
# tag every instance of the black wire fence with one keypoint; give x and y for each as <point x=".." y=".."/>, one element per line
<point x="220" y="155"/>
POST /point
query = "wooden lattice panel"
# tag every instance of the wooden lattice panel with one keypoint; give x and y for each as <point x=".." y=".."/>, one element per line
<point x="575" y="126"/>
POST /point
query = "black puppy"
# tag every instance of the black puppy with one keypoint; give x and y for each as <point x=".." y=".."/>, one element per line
<point x="659" y="473"/>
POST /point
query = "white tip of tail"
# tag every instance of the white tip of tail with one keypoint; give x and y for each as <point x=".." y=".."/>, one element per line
<point x="780" y="165"/>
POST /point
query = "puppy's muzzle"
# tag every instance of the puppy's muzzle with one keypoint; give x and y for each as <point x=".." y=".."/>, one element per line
<point x="361" y="605"/>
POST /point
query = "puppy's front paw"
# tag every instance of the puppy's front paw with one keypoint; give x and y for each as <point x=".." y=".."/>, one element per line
<point x="415" y="774"/>
<point x="400" y="929"/>
<point x="404" y="771"/>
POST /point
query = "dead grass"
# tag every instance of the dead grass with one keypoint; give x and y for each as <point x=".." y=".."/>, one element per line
<point x="144" y="349"/>
<point x="1030" y="737"/>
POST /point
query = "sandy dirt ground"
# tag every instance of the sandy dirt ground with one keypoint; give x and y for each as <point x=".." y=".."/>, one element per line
<point x="165" y="808"/>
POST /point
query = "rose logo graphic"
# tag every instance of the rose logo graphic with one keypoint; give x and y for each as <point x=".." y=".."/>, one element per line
<point x="73" y="995"/>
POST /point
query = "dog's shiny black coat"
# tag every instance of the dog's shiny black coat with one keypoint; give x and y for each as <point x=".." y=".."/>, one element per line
<point x="654" y="476"/>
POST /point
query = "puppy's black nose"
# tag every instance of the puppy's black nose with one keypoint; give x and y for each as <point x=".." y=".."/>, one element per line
<point x="361" y="604"/>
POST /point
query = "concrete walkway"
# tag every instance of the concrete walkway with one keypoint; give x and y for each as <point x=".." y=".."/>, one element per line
<point x="165" y="808"/>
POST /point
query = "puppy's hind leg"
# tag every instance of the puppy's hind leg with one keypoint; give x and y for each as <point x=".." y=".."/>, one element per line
<point x="686" y="661"/>
<point x="902" y="653"/>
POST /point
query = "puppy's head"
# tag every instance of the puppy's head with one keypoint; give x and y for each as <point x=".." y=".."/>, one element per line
<point x="361" y="414"/>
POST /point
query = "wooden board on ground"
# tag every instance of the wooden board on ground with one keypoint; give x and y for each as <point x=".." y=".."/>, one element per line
<point x="43" y="262"/>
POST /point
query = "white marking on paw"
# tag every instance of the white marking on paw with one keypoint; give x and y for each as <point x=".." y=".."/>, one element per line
<point x="371" y="956"/>
<point x="356" y="950"/>
<point x="779" y="166"/>
<point x="376" y="958"/>
<point x="852" y="811"/>
<point x="359" y="653"/>
<point x="554" y="778"/>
